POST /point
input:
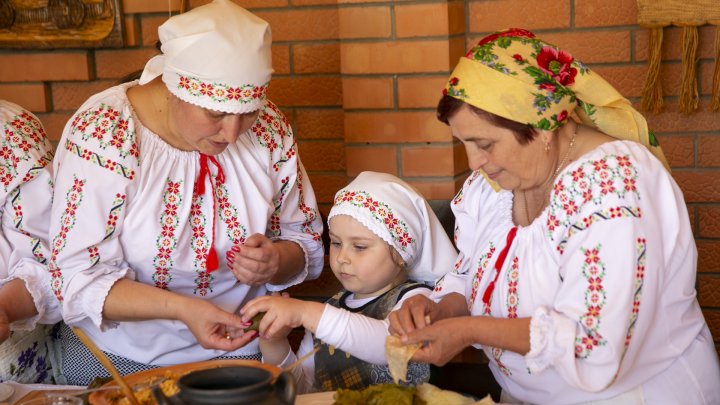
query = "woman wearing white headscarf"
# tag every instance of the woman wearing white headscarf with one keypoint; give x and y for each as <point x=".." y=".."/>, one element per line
<point x="386" y="245"/>
<point x="177" y="198"/>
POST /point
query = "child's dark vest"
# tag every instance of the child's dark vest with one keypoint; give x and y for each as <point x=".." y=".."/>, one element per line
<point x="336" y="369"/>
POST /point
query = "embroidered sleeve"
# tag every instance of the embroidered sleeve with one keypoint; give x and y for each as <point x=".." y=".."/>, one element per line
<point x="25" y="153"/>
<point x="603" y="237"/>
<point x="296" y="216"/>
<point x="95" y="169"/>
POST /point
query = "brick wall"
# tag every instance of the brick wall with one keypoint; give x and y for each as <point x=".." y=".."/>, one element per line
<point x="359" y="81"/>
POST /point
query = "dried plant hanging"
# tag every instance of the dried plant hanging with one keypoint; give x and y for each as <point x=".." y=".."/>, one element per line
<point x="689" y="14"/>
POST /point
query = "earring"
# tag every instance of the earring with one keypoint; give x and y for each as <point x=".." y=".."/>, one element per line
<point x="547" y="147"/>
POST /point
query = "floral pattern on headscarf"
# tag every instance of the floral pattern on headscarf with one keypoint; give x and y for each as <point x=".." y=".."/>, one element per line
<point x="520" y="77"/>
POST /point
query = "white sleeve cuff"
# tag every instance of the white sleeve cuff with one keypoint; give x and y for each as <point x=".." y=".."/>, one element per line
<point x="85" y="296"/>
<point x="289" y="359"/>
<point x="544" y="348"/>
<point x="37" y="282"/>
<point x="301" y="275"/>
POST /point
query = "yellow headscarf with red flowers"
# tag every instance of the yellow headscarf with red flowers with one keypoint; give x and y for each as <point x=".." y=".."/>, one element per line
<point x="517" y="76"/>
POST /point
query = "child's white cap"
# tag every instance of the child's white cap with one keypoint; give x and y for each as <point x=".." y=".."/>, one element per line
<point x="215" y="56"/>
<point x="400" y="216"/>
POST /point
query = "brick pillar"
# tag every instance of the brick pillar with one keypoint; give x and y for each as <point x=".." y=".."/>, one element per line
<point x="394" y="60"/>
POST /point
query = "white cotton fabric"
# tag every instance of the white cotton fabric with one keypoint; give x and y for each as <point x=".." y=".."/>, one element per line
<point x="215" y="56"/>
<point x="353" y="333"/>
<point x="578" y="271"/>
<point x="25" y="199"/>
<point x="125" y="208"/>
<point x="397" y="213"/>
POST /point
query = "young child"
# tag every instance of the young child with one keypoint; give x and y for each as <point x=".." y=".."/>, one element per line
<point x="385" y="241"/>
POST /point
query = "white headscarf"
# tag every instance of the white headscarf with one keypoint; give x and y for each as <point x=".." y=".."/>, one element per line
<point x="216" y="56"/>
<point x="400" y="216"/>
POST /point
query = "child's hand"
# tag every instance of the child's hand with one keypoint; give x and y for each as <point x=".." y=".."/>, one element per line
<point x="282" y="313"/>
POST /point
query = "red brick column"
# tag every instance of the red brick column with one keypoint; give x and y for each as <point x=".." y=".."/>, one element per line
<point x="395" y="59"/>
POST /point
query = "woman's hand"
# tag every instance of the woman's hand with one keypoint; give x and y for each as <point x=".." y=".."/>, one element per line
<point x="416" y="312"/>
<point x="282" y="314"/>
<point x="441" y="341"/>
<point x="210" y="324"/>
<point x="256" y="262"/>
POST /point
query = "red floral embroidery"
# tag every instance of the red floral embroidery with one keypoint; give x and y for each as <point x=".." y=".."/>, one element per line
<point x="107" y="127"/>
<point x="483" y="263"/>
<point x="380" y="212"/>
<point x="22" y="134"/>
<point x="73" y="198"/>
<point x="229" y="215"/>
<point x="558" y="64"/>
<point x="594" y="271"/>
<point x="220" y="92"/>
<point x="512" y="282"/>
<point x="200" y="244"/>
<point x="641" y="248"/>
<point x="166" y="241"/>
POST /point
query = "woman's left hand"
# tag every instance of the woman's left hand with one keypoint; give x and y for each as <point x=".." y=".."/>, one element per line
<point x="441" y="340"/>
<point x="256" y="262"/>
<point x="210" y="324"/>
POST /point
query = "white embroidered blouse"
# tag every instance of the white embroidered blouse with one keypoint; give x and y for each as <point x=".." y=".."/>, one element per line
<point x="607" y="274"/>
<point x="25" y="199"/>
<point x="125" y="207"/>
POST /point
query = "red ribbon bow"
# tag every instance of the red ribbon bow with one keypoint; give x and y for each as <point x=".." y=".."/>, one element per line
<point x="211" y="259"/>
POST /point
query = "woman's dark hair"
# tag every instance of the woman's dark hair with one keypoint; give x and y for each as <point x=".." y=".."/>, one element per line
<point x="448" y="106"/>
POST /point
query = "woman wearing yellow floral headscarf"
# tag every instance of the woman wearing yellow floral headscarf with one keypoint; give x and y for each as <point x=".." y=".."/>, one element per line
<point x="577" y="264"/>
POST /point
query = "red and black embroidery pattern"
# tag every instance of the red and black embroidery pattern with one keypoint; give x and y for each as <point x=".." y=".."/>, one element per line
<point x="307" y="211"/>
<point x="108" y="128"/>
<point x="166" y="241"/>
<point x="595" y="297"/>
<point x="73" y="198"/>
<point x="220" y="92"/>
<point x="497" y="354"/>
<point x="275" y="216"/>
<point x="22" y="134"/>
<point x="513" y="299"/>
<point x="641" y="248"/>
<point x="601" y="215"/>
<point x="99" y="160"/>
<point x="272" y="131"/>
<point x="591" y="183"/>
<point x="35" y="244"/>
<point x="380" y="212"/>
<point x="200" y="244"/>
<point x="483" y="263"/>
<point x="38" y="166"/>
<point x="459" y="196"/>
<point x="110" y="225"/>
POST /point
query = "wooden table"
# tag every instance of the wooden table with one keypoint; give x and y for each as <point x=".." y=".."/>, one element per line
<point x="318" y="398"/>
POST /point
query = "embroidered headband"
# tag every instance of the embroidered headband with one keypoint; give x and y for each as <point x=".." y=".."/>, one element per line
<point x="517" y="76"/>
<point x="395" y="212"/>
<point x="215" y="56"/>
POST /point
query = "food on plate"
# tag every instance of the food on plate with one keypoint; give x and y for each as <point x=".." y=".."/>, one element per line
<point x="382" y="394"/>
<point x="392" y="394"/>
<point x="143" y="390"/>
<point x="398" y="355"/>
